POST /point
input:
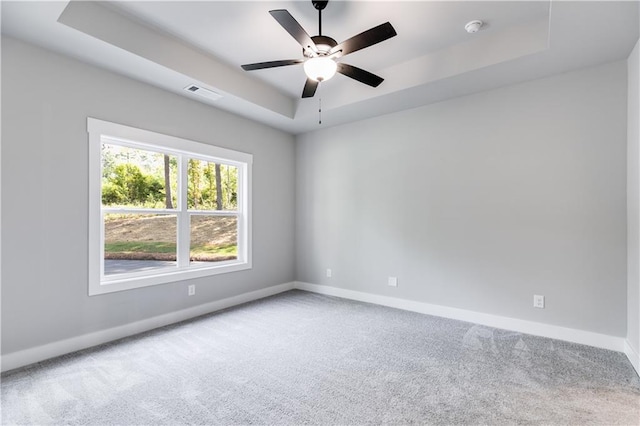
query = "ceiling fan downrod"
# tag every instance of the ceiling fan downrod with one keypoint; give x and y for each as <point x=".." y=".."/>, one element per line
<point x="319" y="5"/>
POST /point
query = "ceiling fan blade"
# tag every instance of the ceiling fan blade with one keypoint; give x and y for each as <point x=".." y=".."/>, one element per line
<point x="292" y="26"/>
<point x="309" y="88"/>
<point x="368" y="38"/>
<point x="271" y="64"/>
<point x="360" y="75"/>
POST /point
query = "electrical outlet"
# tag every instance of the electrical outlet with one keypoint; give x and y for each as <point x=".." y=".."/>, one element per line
<point x="538" y="301"/>
<point x="393" y="281"/>
<point x="192" y="289"/>
<point x="329" y="273"/>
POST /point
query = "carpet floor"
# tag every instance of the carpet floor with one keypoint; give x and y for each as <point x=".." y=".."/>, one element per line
<point x="303" y="358"/>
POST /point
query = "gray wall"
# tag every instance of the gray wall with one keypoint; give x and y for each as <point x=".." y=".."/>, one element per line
<point x="633" y="199"/>
<point x="479" y="202"/>
<point x="46" y="99"/>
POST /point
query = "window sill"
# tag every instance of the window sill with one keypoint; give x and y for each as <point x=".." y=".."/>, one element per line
<point x="163" y="276"/>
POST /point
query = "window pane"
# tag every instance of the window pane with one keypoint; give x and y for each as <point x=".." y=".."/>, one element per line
<point x="213" y="238"/>
<point x="212" y="186"/>
<point x="139" y="242"/>
<point x="138" y="178"/>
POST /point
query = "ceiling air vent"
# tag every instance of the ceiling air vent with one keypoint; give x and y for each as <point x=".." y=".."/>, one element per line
<point x="201" y="91"/>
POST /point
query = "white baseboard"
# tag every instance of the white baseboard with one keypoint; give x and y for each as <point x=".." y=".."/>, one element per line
<point x="529" y="327"/>
<point x="40" y="353"/>
<point x="633" y="356"/>
<point x="29" y="356"/>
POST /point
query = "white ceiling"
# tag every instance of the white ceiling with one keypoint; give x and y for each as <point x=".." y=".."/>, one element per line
<point x="175" y="44"/>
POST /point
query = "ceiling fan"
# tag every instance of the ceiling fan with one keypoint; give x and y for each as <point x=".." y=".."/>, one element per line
<point x="321" y="53"/>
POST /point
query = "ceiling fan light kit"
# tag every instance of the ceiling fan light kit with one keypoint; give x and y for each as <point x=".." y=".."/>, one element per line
<point x="322" y="53"/>
<point x="320" y="68"/>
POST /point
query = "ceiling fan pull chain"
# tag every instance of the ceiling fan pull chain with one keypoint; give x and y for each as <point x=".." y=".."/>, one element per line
<point x="319" y="110"/>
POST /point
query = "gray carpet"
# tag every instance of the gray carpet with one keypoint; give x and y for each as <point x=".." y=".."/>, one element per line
<point x="302" y="358"/>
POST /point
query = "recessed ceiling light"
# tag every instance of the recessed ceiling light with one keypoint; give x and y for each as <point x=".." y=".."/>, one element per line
<point x="473" y="26"/>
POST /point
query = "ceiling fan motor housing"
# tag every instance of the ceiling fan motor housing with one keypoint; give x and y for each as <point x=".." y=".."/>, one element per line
<point x="323" y="44"/>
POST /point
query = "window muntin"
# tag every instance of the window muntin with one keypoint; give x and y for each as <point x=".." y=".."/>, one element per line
<point x="164" y="209"/>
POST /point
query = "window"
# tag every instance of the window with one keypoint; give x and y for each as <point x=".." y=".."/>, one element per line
<point x="163" y="209"/>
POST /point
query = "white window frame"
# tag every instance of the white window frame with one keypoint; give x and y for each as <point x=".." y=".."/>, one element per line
<point x="106" y="132"/>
